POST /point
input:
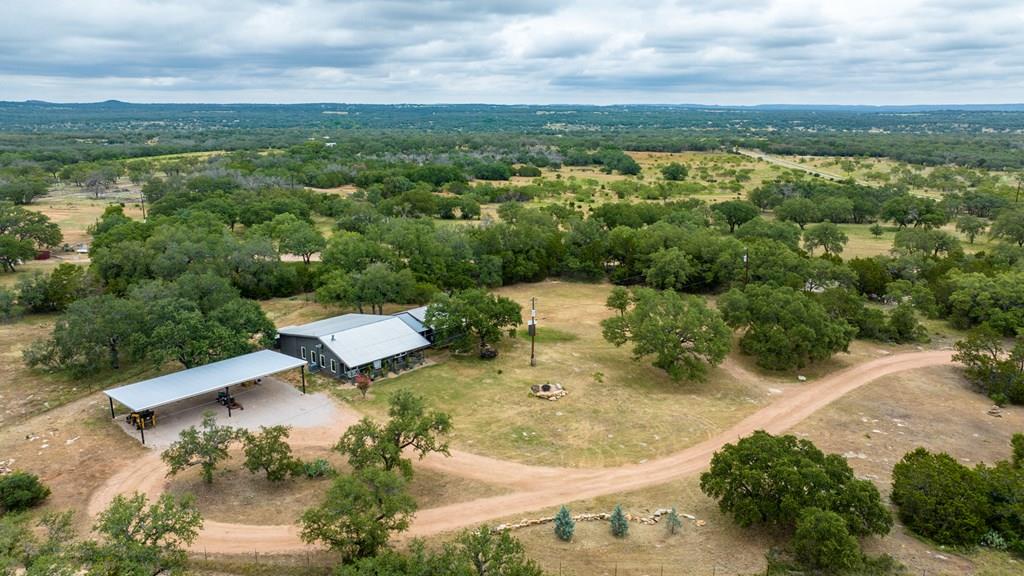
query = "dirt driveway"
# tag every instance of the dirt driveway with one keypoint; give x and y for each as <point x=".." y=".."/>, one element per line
<point x="535" y="487"/>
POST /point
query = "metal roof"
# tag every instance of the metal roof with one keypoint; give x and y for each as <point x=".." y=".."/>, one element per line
<point x="411" y="321"/>
<point x="331" y="325"/>
<point x="202" y="379"/>
<point x="419" y="313"/>
<point x="364" y="344"/>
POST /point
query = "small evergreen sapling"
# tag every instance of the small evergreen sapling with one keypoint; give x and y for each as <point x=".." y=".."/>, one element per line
<point x="620" y="526"/>
<point x="673" y="522"/>
<point x="565" y="526"/>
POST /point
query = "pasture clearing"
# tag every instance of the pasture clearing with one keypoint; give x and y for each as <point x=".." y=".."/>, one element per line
<point x="617" y="410"/>
<point x="872" y="427"/>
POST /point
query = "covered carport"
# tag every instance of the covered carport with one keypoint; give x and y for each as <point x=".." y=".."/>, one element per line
<point x="171" y="388"/>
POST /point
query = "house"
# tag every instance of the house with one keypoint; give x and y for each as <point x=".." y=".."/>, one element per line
<point x="347" y="345"/>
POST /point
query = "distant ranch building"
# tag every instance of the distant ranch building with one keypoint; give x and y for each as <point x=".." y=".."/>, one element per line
<point x="347" y="345"/>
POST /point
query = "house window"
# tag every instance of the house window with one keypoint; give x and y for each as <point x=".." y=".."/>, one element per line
<point x="302" y="352"/>
<point x="334" y="366"/>
<point x="322" y="363"/>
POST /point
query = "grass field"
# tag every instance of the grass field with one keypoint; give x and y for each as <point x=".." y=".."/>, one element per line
<point x="617" y="411"/>
<point x="872" y="427"/>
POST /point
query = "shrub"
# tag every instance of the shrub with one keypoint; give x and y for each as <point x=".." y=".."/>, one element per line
<point x="620" y="526"/>
<point x="317" y="468"/>
<point x="765" y="479"/>
<point x="939" y="498"/>
<point x="672" y="521"/>
<point x="565" y="526"/>
<point x="21" y="491"/>
<point x="822" y="542"/>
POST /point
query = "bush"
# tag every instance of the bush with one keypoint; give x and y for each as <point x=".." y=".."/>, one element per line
<point x="765" y="479"/>
<point x="672" y="521"/>
<point x="21" y="491"/>
<point x="317" y="468"/>
<point x="939" y="498"/>
<point x="565" y="526"/>
<point x="620" y="526"/>
<point x="822" y="542"/>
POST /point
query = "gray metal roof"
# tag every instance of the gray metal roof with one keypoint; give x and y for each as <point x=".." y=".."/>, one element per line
<point x="202" y="379"/>
<point x="419" y="313"/>
<point x="364" y="344"/>
<point x="332" y="325"/>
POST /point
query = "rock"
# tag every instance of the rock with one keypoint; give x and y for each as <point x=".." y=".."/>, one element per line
<point x="802" y="378"/>
<point x="700" y="522"/>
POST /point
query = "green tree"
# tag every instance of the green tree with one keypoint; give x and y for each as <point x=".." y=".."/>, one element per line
<point x="989" y="368"/>
<point x="14" y="251"/>
<point x="673" y="523"/>
<point x="765" y="479"/>
<point x="21" y="491"/>
<point x="758" y="228"/>
<point x="926" y="241"/>
<point x="939" y="498"/>
<point x="827" y="236"/>
<point x="970" y="226"/>
<point x="785" y="328"/>
<point x="619" y="299"/>
<point x="472" y="316"/>
<point x="876" y="230"/>
<point x="142" y="538"/>
<point x="681" y="332"/>
<point x="734" y="213"/>
<point x="206" y="447"/>
<point x="996" y="300"/>
<point x="565" y="526"/>
<point x="481" y="552"/>
<point x="29" y="226"/>
<point x="294" y="236"/>
<point x="670" y="269"/>
<point x="619" y="524"/>
<point x="359" y="513"/>
<point x="378" y="284"/>
<point x="92" y="333"/>
<point x="800" y="211"/>
<point x="410" y="427"/>
<point x="269" y="451"/>
<point x="674" y="172"/>
<point x="823" y="542"/>
<point x="53" y="292"/>
<point x="904" y="327"/>
<point x="1009" y="226"/>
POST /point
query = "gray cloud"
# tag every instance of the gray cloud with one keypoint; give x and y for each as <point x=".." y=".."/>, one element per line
<point x="504" y="51"/>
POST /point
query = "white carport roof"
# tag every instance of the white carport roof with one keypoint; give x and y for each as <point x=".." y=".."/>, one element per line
<point x="202" y="379"/>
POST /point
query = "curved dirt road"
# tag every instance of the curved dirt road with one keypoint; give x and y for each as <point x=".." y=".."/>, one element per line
<point x="534" y="487"/>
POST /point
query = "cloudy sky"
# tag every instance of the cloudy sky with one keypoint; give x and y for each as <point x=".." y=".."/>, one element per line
<point x="514" y="51"/>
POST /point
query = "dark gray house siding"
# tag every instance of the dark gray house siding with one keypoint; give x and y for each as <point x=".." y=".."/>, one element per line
<point x="303" y="346"/>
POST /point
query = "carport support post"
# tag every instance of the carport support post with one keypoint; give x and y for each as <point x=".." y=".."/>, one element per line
<point x="227" y="390"/>
<point x="142" y="431"/>
<point x="303" y="368"/>
<point x="112" y="416"/>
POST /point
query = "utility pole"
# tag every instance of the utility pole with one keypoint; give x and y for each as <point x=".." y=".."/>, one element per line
<point x="532" y="329"/>
<point x="142" y="202"/>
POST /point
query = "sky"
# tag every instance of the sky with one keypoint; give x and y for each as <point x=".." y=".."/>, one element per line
<point x="727" y="52"/>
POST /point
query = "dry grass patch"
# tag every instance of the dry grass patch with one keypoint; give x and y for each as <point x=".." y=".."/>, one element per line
<point x="617" y="410"/>
<point x="240" y="496"/>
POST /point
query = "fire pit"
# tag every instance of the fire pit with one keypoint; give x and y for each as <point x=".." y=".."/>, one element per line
<point x="548" y="391"/>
